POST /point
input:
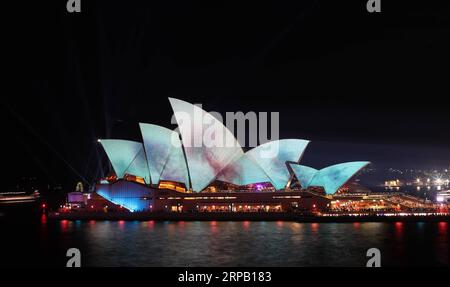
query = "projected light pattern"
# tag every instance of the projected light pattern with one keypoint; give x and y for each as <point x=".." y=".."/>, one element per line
<point x="138" y="167"/>
<point x="196" y="162"/>
<point x="164" y="154"/>
<point x="330" y="178"/>
<point x="175" y="168"/>
<point x="126" y="157"/>
<point x="273" y="156"/>
<point x="304" y="174"/>
<point x="243" y="171"/>
<point x="205" y="161"/>
<point x="132" y="196"/>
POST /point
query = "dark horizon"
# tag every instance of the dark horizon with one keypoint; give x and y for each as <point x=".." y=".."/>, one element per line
<point x="359" y="86"/>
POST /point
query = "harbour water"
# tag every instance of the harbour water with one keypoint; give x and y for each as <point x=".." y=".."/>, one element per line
<point x="214" y="243"/>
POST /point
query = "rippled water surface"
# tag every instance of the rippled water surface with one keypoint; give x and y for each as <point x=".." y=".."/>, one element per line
<point x="135" y="243"/>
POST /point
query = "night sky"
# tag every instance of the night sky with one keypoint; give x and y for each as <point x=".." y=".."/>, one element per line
<point x="359" y="86"/>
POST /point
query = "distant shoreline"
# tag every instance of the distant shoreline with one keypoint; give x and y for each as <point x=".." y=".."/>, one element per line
<point x="243" y="217"/>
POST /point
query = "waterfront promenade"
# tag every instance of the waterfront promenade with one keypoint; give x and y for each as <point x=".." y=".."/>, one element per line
<point x="249" y="216"/>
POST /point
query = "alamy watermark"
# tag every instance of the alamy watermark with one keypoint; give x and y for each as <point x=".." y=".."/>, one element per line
<point x="74" y="255"/>
<point x="73" y="6"/>
<point x="375" y="257"/>
<point x="200" y="129"/>
<point x="373" y="6"/>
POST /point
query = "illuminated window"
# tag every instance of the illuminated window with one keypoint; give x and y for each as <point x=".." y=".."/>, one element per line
<point x="172" y="186"/>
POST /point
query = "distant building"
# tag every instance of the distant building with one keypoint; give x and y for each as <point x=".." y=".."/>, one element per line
<point x="443" y="196"/>
<point x="393" y="184"/>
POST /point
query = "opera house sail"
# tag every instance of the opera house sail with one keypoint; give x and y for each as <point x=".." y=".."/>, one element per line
<point x="204" y="162"/>
<point x="330" y="178"/>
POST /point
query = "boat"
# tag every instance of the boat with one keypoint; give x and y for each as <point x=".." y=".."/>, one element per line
<point x="18" y="197"/>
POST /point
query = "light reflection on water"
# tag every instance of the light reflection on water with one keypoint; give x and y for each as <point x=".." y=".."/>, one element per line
<point x="248" y="243"/>
<point x="216" y="243"/>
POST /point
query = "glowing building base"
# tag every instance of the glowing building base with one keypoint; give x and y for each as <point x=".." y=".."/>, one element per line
<point x="136" y="197"/>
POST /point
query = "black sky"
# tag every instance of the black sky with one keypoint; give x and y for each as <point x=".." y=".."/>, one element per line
<point x="359" y="86"/>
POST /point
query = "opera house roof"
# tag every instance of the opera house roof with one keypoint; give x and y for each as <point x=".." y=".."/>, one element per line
<point x="164" y="156"/>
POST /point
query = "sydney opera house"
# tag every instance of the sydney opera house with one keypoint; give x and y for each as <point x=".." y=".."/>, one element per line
<point x="167" y="172"/>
